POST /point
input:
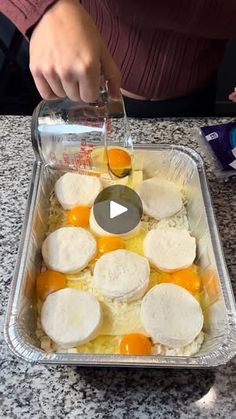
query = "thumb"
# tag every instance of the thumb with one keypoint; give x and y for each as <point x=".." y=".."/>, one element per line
<point x="111" y="74"/>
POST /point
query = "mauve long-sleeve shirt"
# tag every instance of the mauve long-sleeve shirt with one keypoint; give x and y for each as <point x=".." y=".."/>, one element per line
<point x="164" y="48"/>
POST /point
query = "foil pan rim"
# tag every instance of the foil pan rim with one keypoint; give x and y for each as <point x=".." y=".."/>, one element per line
<point x="31" y="354"/>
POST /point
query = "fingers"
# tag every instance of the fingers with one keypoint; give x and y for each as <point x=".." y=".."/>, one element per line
<point x="112" y="74"/>
<point x="88" y="76"/>
<point x="68" y="56"/>
<point x="47" y="82"/>
<point x="72" y="90"/>
<point x="55" y="84"/>
<point x="232" y="96"/>
<point x="44" y="88"/>
<point x="80" y="81"/>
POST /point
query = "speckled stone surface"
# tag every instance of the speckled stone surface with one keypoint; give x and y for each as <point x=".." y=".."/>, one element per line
<point x="38" y="392"/>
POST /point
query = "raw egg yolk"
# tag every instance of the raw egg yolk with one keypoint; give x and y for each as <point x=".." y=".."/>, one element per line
<point x="48" y="282"/>
<point x="79" y="216"/>
<point x="118" y="158"/>
<point x="135" y="344"/>
<point x="158" y="277"/>
<point x="108" y="244"/>
<point x="186" y="278"/>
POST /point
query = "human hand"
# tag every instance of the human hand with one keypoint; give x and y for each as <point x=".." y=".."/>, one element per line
<point x="232" y="95"/>
<point x="68" y="55"/>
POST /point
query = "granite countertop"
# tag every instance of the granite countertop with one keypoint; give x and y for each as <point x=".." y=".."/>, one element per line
<point x="35" y="392"/>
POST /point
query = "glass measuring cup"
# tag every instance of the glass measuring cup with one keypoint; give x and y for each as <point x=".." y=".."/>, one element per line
<point x="87" y="138"/>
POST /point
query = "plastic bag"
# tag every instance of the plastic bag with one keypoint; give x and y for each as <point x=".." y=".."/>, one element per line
<point x="219" y="142"/>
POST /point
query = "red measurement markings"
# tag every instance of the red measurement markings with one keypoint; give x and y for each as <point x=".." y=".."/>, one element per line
<point x="53" y="158"/>
<point x="66" y="158"/>
<point x="68" y="161"/>
<point x="83" y="157"/>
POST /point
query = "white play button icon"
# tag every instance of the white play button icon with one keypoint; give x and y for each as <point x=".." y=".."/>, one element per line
<point x="116" y="209"/>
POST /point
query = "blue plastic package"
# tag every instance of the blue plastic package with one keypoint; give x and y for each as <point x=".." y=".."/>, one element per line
<point x="220" y="141"/>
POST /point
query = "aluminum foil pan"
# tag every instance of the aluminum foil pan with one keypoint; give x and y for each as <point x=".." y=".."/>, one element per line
<point x="179" y="164"/>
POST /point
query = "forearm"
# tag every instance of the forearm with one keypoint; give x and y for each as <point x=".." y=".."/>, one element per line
<point x="24" y="13"/>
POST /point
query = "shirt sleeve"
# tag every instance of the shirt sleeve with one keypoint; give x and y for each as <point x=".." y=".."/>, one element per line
<point x="24" y="13"/>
